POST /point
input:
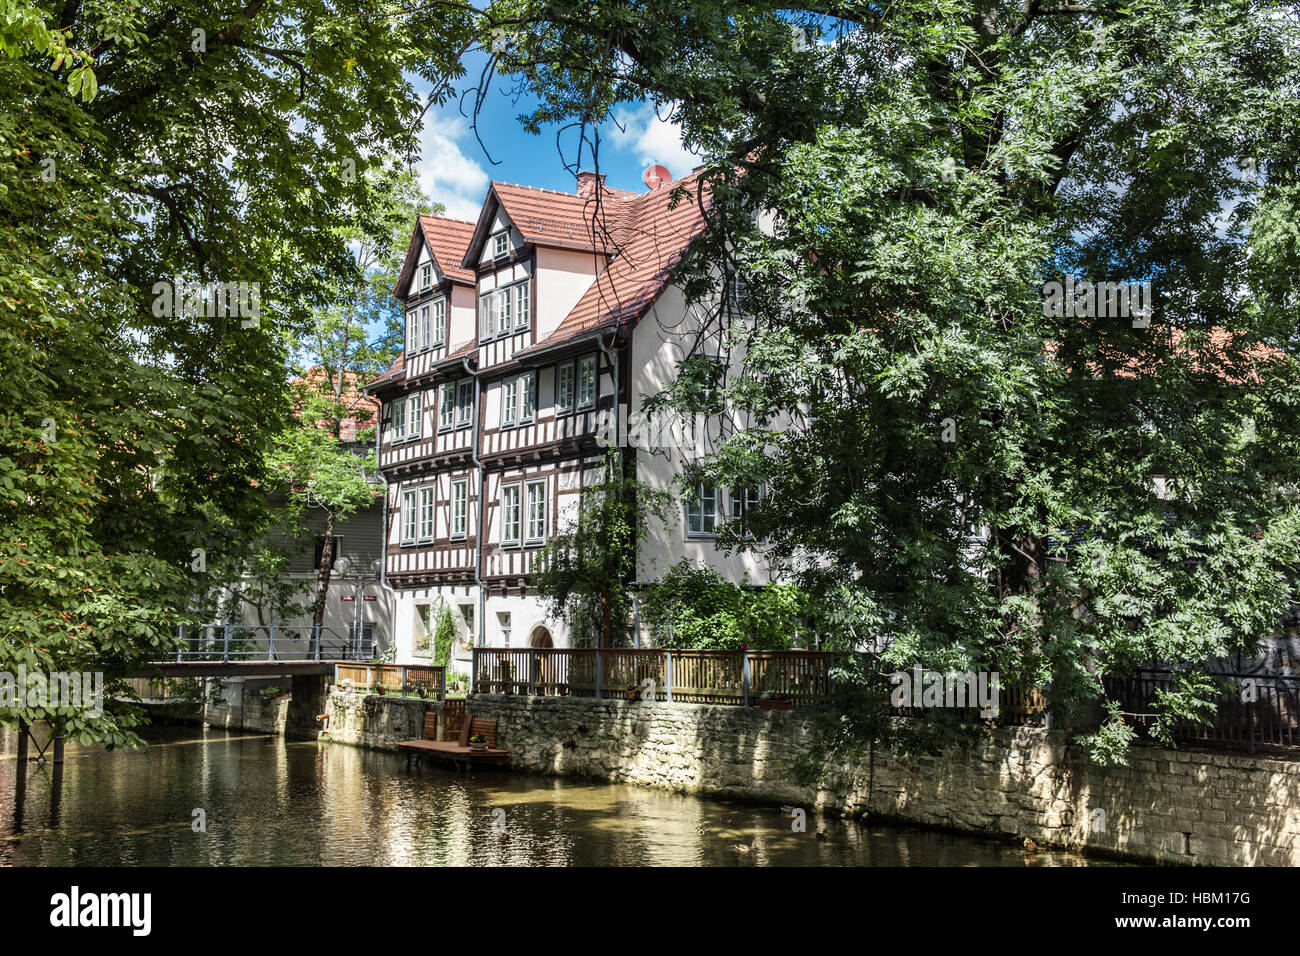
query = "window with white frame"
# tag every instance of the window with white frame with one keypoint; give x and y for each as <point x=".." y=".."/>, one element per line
<point x="510" y="514"/>
<point x="446" y="407"/>
<point x="518" y="399"/>
<point x="408" y="517"/>
<point x="412" y="330"/>
<point x="536" y="511"/>
<point x="459" y="507"/>
<point x="424" y="327"/>
<point x="509" y="401"/>
<point x="504" y="299"/>
<point x="527" y="397"/>
<point x="464" y="401"/>
<point x="426" y="513"/>
<point x="426" y="275"/>
<point x="702" y="510"/>
<point x="399" y="420"/>
<point x="587" y="382"/>
<point x="414" y="425"/>
<point x="521" y="305"/>
<point x="500" y="244"/>
<point x="743" y="502"/>
<point x="439" y="322"/>
<point x="487" y="312"/>
<point x="564" y="388"/>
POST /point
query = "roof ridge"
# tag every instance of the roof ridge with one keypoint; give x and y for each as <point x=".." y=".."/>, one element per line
<point x="430" y="215"/>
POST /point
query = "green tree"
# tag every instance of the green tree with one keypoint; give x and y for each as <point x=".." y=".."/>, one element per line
<point x="959" y="471"/>
<point x="583" y="572"/>
<point x="698" y="608"/>
<point x="146" y="146"/>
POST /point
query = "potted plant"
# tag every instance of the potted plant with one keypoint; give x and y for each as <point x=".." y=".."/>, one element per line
<point x="379" y="689"/>
<point x="633" y="691"/>
<point x="770" y="700"/>
<point x="478" y="742"/>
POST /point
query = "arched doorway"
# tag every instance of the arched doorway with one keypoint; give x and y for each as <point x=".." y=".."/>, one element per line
<point x="542" y="665"/>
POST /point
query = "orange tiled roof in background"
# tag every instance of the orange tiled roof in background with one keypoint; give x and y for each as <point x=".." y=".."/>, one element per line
<point x="351" y="396"/>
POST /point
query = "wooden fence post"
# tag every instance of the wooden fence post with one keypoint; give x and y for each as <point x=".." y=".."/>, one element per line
<point x="600" y="672"/>
<point x="403" y="682"/>
<point x="532" y="673"/>
<point x="225" y="646"/>
<point x="473" y="670"/>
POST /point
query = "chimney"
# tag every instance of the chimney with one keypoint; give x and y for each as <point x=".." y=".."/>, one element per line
<point x="588" y="183"/>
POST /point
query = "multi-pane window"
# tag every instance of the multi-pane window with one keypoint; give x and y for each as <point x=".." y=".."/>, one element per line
<point x="426" y="514"/>
<point x="414" y="427"/>
<point x="459" y="507"/>
<point x="426" y="275"/>
<point x="564" y="388"/>
<point x="412" y="330"/>
<point x="487" y="310"/>
<point x="504" y="299"/>
<point x="536" y="511"/>
<point x="408" y="517"/>
<point x="399" y="419"/>
<point x="521" y="306"/>
<point x="743" y="502"/>
<point x="424" y="327"/>
<point x="587" y="382"/>
<point x="518" y="399"/>
<point x="509" y="399"/>
<point x="510" y="514"/>
<point x="527" y="396"/>
<point x="702" y="510"/>
<point x="439" y="321"/>
<point x="500" y="244"/>
<point x="446" y="407"/>
<point x="464" y="401"/>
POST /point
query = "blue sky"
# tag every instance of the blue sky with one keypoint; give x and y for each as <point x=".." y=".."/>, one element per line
<point x="455" y="168"/>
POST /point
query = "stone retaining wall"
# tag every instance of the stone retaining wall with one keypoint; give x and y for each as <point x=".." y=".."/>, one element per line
<point x="1167" y="806"/>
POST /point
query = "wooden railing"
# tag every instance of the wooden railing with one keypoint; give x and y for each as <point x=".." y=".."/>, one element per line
<point x="402" y="681"/>
<point x="740" y="678"/>
<point x="701" y="677"/>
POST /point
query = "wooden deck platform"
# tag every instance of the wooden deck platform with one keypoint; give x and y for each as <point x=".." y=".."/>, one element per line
<point x="457" y="751"/>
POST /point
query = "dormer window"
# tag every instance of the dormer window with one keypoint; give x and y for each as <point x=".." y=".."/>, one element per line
<point x="426" y="276"/>
<point x="500" y="244"/>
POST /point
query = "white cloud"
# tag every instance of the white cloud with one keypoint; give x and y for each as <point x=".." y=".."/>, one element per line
<point x="653" y="140"/>
<point x="446" y="174"/>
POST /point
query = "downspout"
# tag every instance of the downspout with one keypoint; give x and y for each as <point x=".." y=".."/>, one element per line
<point x="478" y="523"/>
<point x="613" y="360"/>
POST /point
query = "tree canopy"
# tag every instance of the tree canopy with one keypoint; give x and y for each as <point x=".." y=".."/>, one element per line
<point x="960" y="471"/>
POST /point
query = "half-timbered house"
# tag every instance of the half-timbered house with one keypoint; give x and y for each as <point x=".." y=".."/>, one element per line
<point x="528" y="334"/>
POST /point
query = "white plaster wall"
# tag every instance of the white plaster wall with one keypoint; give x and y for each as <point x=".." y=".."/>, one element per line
<point x="563" y="276"/>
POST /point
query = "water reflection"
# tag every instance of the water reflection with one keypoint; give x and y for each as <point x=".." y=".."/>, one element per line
<point x="277" y="802"/>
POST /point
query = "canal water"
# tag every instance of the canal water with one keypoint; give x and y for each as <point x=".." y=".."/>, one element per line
<point x="269" y="801"/>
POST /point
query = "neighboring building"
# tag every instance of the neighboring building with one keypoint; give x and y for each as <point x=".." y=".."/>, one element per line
<point x="356" y="598"/>
<point x="529" y="333"/>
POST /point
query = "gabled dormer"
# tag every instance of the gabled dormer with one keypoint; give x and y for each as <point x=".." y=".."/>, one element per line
<point x="436" y="292"/>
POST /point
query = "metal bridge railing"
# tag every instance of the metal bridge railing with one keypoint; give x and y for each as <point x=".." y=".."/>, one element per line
<point x="274" y="642"/>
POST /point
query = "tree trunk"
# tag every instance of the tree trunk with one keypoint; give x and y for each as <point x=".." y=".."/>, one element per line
<point x="326" y="567"/>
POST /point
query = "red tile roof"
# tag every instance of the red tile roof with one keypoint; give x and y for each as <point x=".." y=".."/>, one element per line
<point x="546" y="217"/>
<point x="447" y="240"/>
<point x="655" y="230"/>
<point x="642" y="235"/>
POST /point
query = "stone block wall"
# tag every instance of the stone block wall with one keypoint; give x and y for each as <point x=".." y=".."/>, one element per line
<point x="1166" y="806"/>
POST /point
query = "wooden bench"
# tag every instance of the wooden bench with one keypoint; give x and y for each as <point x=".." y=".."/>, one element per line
<point x="458" y="751"/>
